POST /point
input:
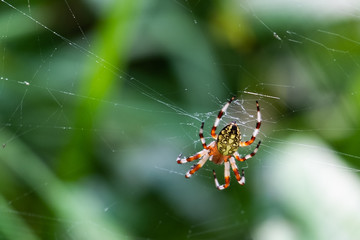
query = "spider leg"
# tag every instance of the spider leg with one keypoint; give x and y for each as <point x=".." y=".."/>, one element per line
<point x="217" y="120"/>
<point x="198" y="155"/>
<point x="256" y="131"/>
<point x="239" y="178"/>
<point x="201" y="135"/>
<point x="226" y="176"/>
<point x="197" y="166"/>
<point x="250" y="155"/>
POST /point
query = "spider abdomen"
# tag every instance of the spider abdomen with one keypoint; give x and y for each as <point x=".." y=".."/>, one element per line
<point x="228" y="139"/>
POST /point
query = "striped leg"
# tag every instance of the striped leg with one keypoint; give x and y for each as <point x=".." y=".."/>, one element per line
<point x="240" y="179"/>
<point x="226" y="176"/>
<point x="250" y="155"/>
<point x="201" y="135"/>
<point x="217" y="120"/>
<point x="198" y="155"/>
<point x="197" y="166"/>
<point x="256" y="131"/>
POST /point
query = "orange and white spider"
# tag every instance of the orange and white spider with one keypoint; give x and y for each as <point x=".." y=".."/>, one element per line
<point x="224" y="148"/>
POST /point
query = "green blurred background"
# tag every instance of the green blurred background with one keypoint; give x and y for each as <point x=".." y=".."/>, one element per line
<point x="98" y="98"/>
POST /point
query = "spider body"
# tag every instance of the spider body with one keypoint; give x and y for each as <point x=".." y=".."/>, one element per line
<point x="228" y="139"/>
<point x="215" y="156"/>
<point x="224" y="149"/>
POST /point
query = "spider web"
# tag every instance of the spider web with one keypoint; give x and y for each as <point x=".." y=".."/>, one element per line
<point x="96" y="109"/>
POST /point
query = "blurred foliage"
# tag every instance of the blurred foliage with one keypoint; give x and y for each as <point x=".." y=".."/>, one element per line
<point x="99" y="97"/>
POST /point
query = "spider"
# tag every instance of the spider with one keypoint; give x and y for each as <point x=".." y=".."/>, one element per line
<point x="223" y="149"/>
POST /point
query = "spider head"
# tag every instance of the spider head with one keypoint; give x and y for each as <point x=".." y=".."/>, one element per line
<point x="228" y="139"/>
